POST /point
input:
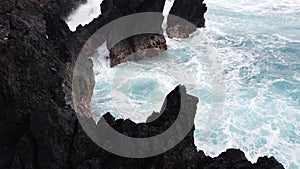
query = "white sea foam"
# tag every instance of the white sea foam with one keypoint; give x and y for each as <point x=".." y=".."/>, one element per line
<point x="258" y="44"/>
<point x="84" y="14"/>
<point x="261" y="64"/>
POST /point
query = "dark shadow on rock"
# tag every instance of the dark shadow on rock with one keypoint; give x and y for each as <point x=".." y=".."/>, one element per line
<point x="190" y="10"/>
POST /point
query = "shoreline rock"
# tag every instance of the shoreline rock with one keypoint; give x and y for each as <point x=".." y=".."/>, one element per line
<point x="190" y="10"/>
<point x="113" y="9"/>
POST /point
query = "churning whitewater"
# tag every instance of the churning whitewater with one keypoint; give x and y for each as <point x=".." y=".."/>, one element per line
<point x="257" y="43"/>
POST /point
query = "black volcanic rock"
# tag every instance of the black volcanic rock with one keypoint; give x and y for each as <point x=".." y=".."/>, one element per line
<point x="114" y="9"/>
<point x="190" y="10"/>
<point x="120" y="51"/>
<point x="59" y="8"/>
<point x="39" y="128"/>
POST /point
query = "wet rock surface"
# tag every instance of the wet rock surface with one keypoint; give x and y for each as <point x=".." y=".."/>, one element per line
<point x="39" y="128"/>
<point x="114" y="9"/>
<point x="190" y="10"/>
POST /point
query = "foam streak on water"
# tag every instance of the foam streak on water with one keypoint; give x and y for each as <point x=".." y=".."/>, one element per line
<point x="259" y="46"/>
<point x="135" y="89"/>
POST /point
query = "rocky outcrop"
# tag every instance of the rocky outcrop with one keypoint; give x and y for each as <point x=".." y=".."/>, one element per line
<point x="183" y="155"/>
<point x="190" y="10"/>
<point x="113" y="9"/>
<point x="137" y="47"/>
<point x="39" y="128"/>
<point x="136" y="43"/>
<point x="36" y="124"/>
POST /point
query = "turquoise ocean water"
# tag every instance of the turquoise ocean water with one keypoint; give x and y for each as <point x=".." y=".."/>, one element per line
<point x="257" y="45"/>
